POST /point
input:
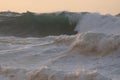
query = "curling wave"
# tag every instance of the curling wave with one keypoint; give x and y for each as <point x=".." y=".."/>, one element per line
<point x="90" y="54"/>
<point x="39" y="25"/>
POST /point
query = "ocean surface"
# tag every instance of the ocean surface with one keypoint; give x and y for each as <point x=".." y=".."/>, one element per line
<point x="59" y="46"/>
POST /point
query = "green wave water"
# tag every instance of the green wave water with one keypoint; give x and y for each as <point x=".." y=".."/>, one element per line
<point x="36" y="25"/>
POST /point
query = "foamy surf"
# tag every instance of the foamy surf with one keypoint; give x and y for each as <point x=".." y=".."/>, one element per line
<point x="91" y="54"/>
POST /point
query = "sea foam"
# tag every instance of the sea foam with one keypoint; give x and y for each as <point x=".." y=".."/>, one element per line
<point x="90" y="54"/>
<point x="98" y="23"/>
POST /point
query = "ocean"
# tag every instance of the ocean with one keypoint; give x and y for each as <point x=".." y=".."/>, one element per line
<point x="59" y="46"/>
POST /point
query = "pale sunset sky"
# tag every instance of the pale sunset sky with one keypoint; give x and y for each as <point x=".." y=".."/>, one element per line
<point x="41" y="6"/>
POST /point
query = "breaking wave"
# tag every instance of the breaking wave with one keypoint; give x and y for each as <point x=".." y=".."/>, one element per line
<point x="95" y="22"/>
<point x="38" y="25"/>
<point x="87" y="47"/>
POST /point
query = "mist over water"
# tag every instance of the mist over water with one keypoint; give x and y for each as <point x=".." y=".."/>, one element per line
<point x="59" y="46"/>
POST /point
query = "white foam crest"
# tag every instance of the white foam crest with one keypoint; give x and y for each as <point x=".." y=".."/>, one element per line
<point x="98" y="23"/>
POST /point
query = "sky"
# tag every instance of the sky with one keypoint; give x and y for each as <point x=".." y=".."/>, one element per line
<point x="41" y="6"/>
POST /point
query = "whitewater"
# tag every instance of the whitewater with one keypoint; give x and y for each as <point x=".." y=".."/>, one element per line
<point x="91" y="54"/>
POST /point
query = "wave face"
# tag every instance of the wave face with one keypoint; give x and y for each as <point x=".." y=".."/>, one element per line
<point x="31" y="24"/>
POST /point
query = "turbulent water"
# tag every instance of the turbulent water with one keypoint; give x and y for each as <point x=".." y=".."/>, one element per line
<point x="90" y="54"/>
